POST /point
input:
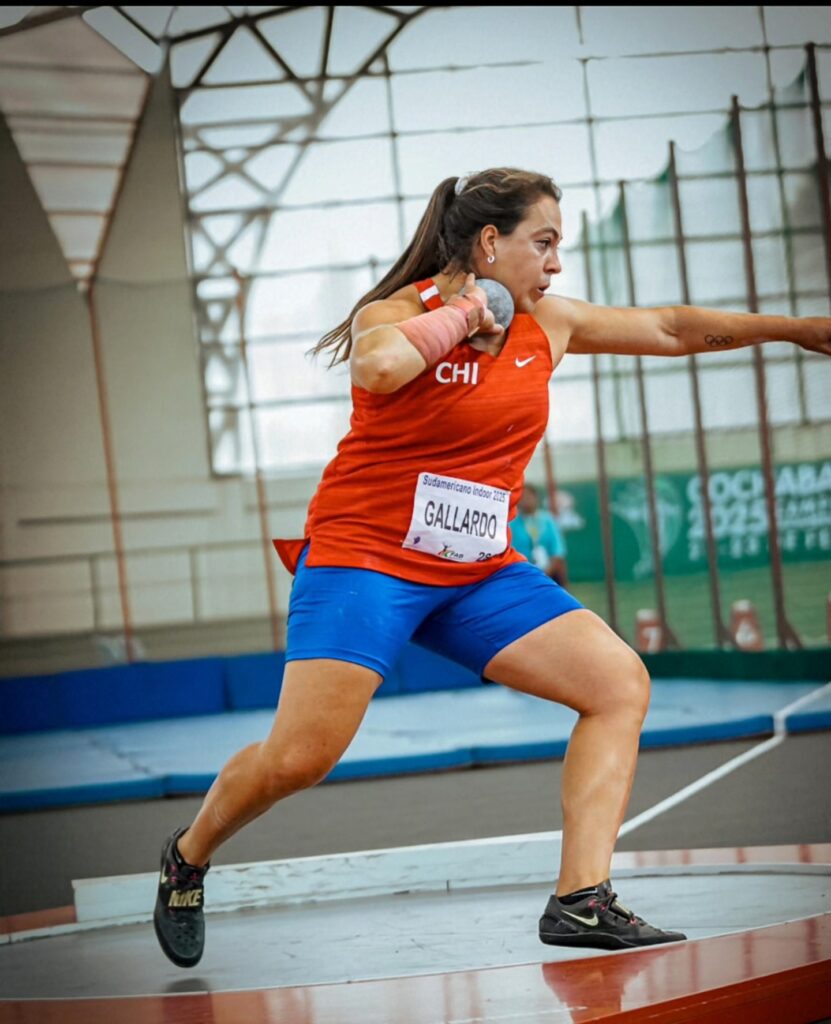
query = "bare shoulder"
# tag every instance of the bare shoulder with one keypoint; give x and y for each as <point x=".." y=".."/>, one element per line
<point x="557" y="312"/>
<point x="558" y="317"/>
<point x="401" y="305"/>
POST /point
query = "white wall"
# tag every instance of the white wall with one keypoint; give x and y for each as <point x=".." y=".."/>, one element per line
<point x="192" y="541"/>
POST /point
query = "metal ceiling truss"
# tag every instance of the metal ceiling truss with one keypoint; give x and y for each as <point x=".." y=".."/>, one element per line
<point x="216" y="314"/>
<point x="324" y="85"/>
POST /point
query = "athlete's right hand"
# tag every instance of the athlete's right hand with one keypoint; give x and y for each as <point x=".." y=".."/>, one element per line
<point x="480" y="320"/>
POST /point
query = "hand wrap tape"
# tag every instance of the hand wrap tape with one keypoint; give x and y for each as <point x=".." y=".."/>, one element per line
<point x="435" y="333"/>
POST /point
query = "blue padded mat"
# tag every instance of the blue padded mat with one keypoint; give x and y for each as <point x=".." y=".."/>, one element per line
<point x="817" y="715"/>
<point x="68" y="768"/>
<point x="400" y="734"/>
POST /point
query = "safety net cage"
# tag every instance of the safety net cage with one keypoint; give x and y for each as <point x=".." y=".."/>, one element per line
<point x="199" y="194"/>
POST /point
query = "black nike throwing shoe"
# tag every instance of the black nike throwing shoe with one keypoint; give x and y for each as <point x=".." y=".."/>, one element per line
<point x="179" y="917"/>
<point x="601" y="921"/>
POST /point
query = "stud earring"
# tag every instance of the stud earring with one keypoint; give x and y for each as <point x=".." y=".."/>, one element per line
<point x="491" y="259"/>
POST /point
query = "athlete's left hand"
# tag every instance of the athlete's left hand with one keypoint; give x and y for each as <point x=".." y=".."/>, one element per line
<point x="490" y="341"/>
<point x="489" y="336"/>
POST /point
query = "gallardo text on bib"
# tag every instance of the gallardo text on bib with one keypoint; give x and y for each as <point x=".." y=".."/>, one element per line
<point x="459" y="520"/>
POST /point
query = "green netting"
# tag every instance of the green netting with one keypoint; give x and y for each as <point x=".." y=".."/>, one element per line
<point x="786" y="238"/>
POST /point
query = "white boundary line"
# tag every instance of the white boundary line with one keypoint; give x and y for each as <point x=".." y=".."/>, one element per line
<point x="779" y="734"/>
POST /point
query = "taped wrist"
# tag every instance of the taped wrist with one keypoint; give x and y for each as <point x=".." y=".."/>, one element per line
<point x="435" y="333"/>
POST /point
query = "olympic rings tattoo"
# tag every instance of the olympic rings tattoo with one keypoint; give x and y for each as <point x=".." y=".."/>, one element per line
<point x="718" y="340"/>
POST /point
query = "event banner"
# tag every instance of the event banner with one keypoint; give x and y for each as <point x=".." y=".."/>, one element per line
<point x="739" y="514"/>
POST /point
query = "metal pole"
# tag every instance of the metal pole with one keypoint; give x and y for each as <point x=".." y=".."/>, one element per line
<point x="112" y="481"/>
<point x="721" y="634"/>
<point x="600" y="450"/>
<point x="787" y="234"/>
<point x="195" y="304"/>
<point x="262" y="506"/>
<point x="103" y="398"/>
<point x="668" y="637"/>
<point x="396" y="159"/>
<point x="822" y="160"/>
<point x="786" y="633"/>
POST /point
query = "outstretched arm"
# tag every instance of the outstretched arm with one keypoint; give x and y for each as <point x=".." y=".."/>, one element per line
<point x="678" y="330"/>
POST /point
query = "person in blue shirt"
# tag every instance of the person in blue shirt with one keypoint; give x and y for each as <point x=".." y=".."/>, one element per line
<point x="537" y="535"/>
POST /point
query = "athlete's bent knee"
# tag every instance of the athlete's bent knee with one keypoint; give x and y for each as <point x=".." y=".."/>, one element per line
<point x="290" y="771"/>
<point x="633" y="688"/>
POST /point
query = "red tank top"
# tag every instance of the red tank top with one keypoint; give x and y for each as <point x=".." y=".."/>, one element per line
<point x="473" y="418"/>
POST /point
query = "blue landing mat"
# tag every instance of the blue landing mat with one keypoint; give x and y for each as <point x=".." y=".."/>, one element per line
<point x="400" y="734"/>
<point x="817" y="715"/>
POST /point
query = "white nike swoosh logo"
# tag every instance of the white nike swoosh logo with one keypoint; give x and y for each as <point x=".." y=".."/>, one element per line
<point x="525" y="362"/>
<point x="590" y="921"/>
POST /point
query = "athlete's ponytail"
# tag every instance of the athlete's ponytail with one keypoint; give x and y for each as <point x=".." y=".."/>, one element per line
<point x="446" y="233"/>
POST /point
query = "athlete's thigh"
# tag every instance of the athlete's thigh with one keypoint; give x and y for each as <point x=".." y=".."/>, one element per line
<point x="353" y="615"/>
<point x="575" y="659"/>
<point x="322" y="703"/>
<point x="480" y="620"/>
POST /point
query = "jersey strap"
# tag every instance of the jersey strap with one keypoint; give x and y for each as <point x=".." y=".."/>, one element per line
<point x="429" y="293"/>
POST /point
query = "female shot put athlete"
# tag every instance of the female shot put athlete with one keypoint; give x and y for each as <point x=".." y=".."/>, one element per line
<point x="407" y="537"/>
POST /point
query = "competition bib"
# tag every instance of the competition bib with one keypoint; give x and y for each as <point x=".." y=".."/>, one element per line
<point x="457" y="519"/>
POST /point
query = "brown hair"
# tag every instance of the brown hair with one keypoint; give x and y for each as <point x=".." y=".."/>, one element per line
<point x="446" y="234"/>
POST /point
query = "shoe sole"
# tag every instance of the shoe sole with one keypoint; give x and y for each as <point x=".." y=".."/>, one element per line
<point x="601" y="941"/>
<point x="171" y="953"/>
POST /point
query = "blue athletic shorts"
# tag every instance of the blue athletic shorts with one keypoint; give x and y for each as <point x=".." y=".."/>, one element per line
<point x="366" y="617"/>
